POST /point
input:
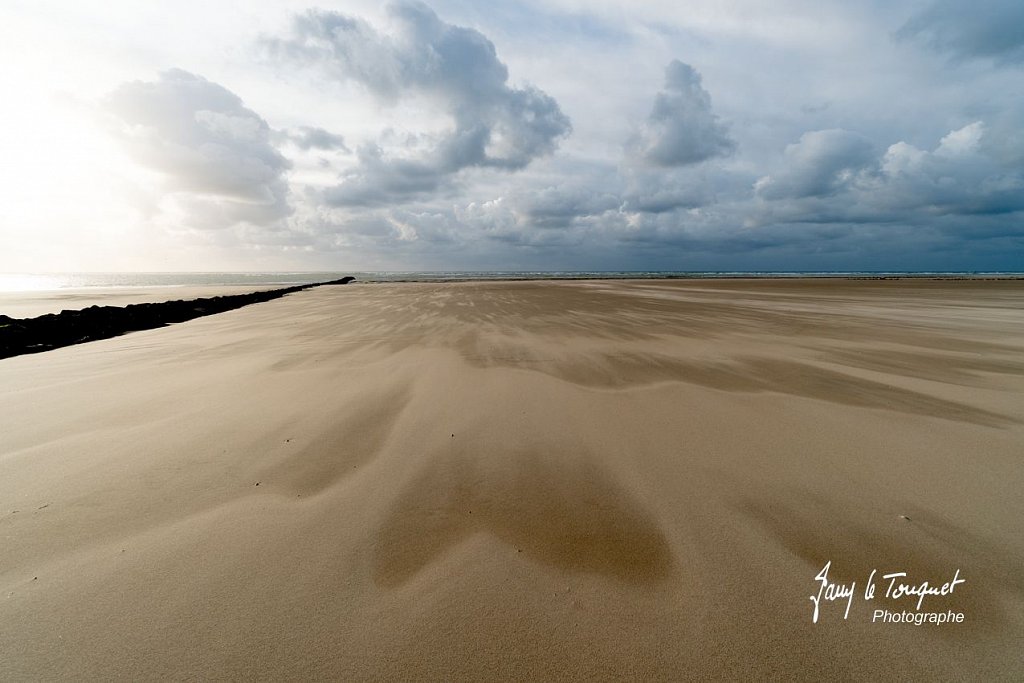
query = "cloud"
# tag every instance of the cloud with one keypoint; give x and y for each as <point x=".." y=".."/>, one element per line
<point x="378" y="181"/>
<point x="559" y="206"/>
<point x="833" y="177"/>
<point x="665" y="190"/>
<point x="834" y="189"/>
<point x="957" y="178"/>
<point x="983" y="28"/>
<point x="457" y="68"/>
<point x="681" y="128"/>
<point x="818" y="165"/>
<point x="309" y="137"/>
<point x="213" y="154"/>
<point x="412" y="140"/>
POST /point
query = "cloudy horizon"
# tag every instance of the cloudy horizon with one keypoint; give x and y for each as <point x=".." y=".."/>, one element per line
<point x="563" y="135"/>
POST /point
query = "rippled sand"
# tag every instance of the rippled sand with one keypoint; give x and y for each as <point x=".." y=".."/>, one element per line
<point x="522" y="480"/>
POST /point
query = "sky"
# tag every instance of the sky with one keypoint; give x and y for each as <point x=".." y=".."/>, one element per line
<point x="531" y="135"/>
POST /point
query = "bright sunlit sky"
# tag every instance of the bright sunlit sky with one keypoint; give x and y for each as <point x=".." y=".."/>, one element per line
<point x="563" y="134"/>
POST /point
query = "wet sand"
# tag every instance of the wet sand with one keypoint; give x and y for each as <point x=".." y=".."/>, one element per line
<point x="595" y="480"/>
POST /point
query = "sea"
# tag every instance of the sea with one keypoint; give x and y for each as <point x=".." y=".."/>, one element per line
<point x="41" y="282"/>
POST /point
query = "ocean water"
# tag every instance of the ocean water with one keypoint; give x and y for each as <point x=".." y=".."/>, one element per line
<point x="41" y="282"/>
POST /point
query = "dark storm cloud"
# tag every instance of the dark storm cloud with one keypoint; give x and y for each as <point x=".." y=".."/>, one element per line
<point x="377" y="181"/>
<point x="960" y="177"/>
<point x="681" y="129"/>
<point x="835" y="178"/>
<point x="495" y="125"/>
<point x="206" y="144"/>
<point x="665" y="190"/>
<point x="557" y="207"/>
<point x="982" y="28"/>
<point x="819" y="164"/>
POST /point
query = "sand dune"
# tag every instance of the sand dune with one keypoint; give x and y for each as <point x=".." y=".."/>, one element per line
<point x="522" y="480"/>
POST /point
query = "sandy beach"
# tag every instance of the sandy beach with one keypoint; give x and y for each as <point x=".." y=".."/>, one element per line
<point x="594" y="480"/>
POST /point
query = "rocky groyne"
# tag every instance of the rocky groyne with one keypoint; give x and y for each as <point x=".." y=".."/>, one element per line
<point x="33" y="335"/>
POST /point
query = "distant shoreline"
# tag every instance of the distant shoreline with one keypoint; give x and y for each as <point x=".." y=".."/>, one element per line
<point x="16" y="283"/>
<point x="724" y="276"/>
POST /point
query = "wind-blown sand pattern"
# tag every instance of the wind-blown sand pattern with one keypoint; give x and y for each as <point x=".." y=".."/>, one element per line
<point x="521" y="480"/>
